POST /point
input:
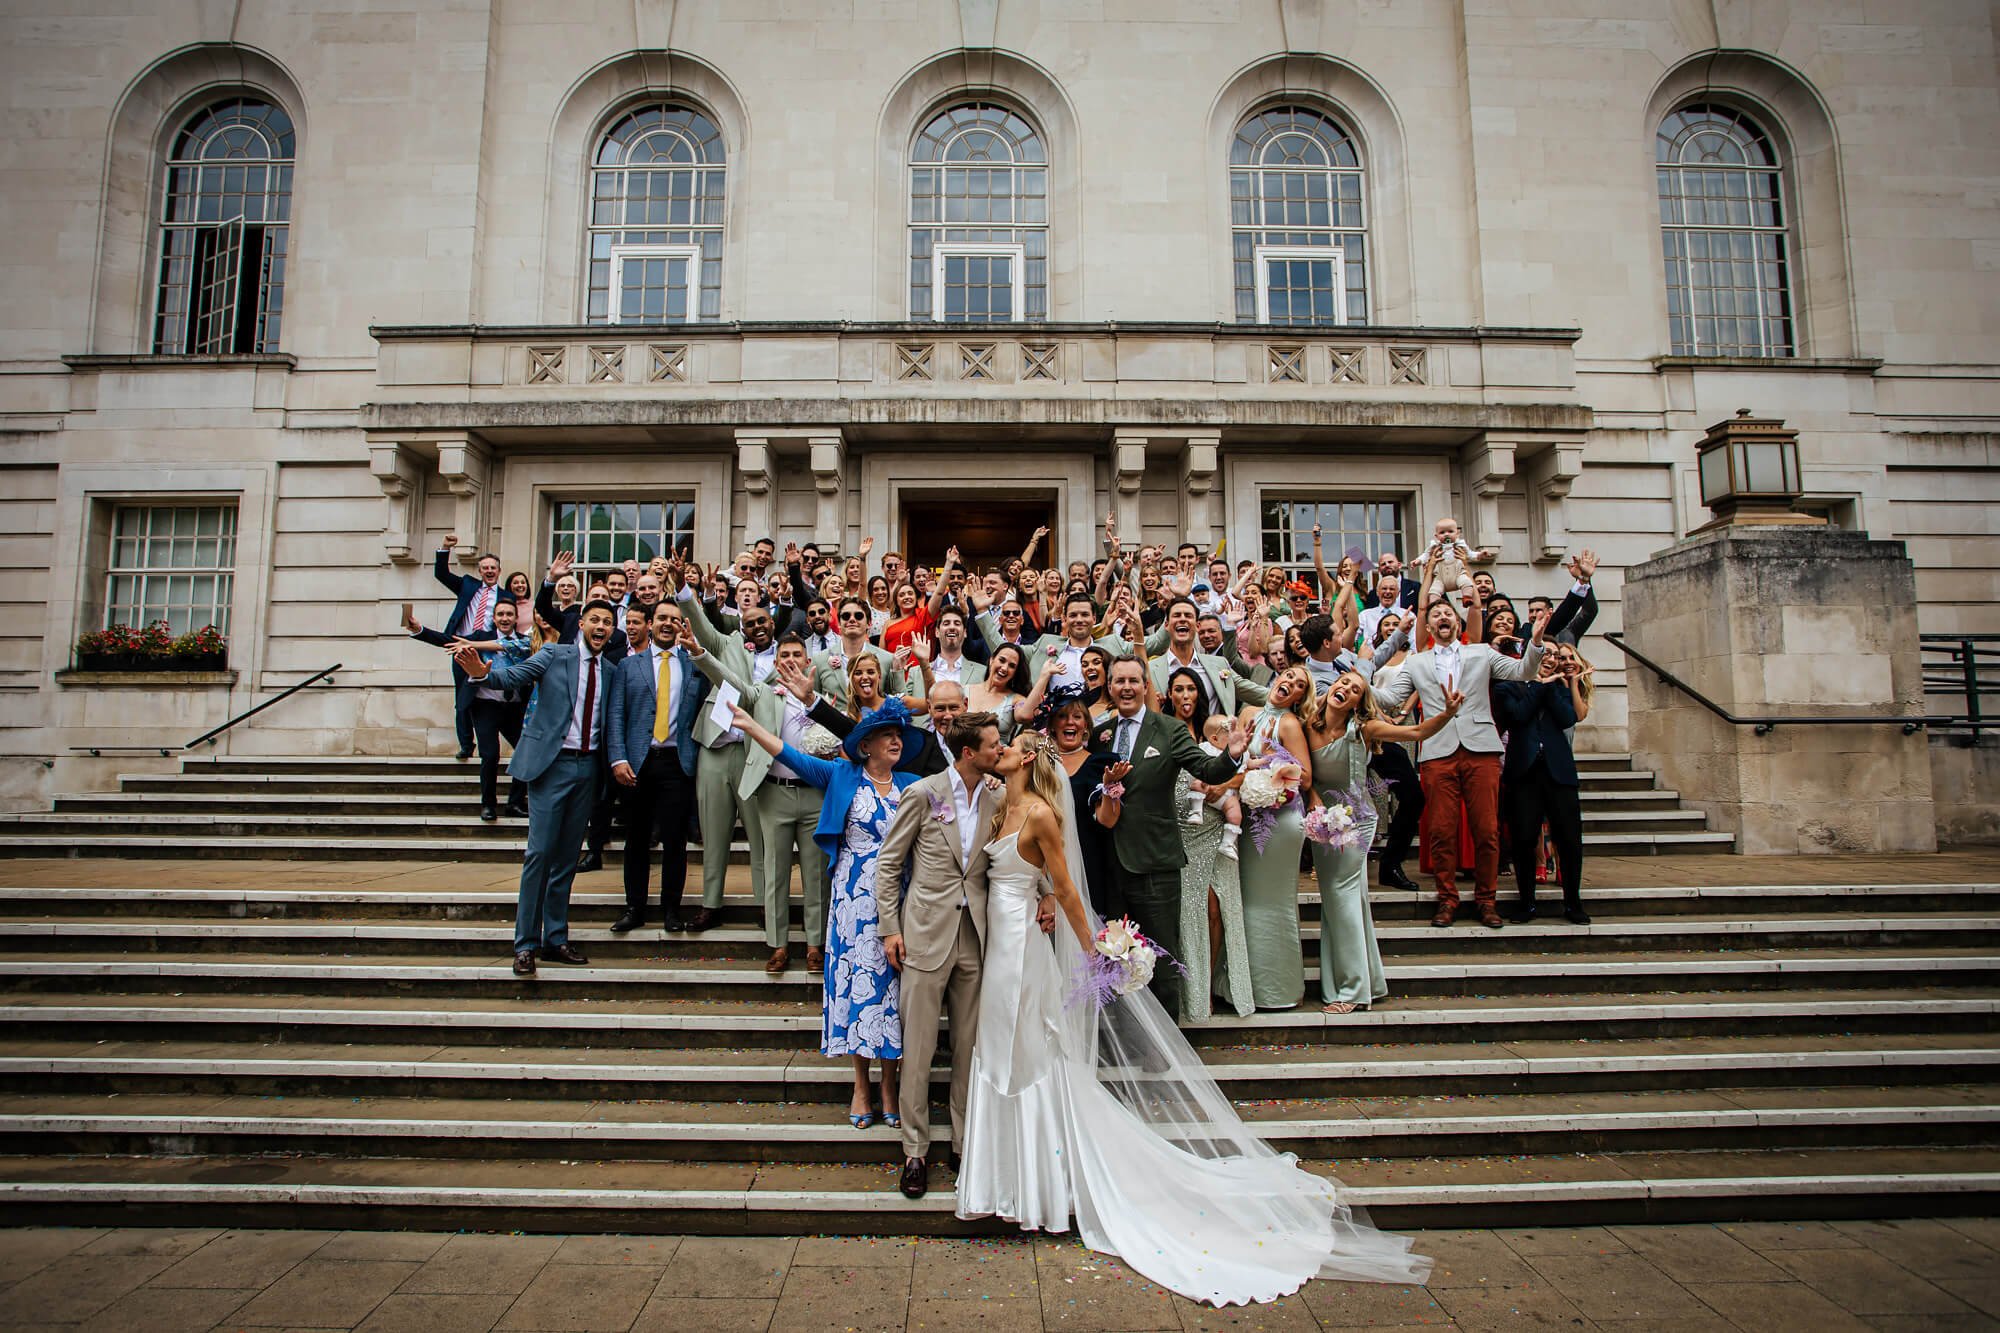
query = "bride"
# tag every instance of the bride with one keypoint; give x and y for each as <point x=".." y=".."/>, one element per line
<point x="1107" y="1116"/>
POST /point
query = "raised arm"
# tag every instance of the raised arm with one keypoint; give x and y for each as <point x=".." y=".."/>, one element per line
<point x="941" y="590"/>
<point x="1028" y="551"/>
<point x="442" y="566"/>
<point x="1380" y="730"/>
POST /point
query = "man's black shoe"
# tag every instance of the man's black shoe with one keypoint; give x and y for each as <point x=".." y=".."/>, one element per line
<point x="488" y="814"/>
<point x="1392" y="877"/>
<point x="955" y="1162"/>
<point x="565" y="953"/>
<point x="701" y="919"/>
<point x="627" y="920"/>
<point x="518" y="809"/>
<point x="916" y="1178"/>
<point x="673" y="925"/>
<point x="1576" y="916"/>
<point x="524" y="963"/>
<point x="588" y="862"/>
<point x="1521" y="912"/>
<point x="463" y="754"/>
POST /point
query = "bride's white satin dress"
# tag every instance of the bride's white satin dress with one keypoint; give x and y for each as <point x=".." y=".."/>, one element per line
<point x="1046" y="1142"/>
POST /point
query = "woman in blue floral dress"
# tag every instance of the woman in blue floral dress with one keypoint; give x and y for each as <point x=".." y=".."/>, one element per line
<point x="862" y="1014"/>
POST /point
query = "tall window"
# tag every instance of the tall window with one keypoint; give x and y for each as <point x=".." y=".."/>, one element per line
<point x="604" y="534"/>
<point x="979" y="217"/>
<point x="1298" y="225"/>
<point x="175" y="563"/>
<point x="656" y="192"/>
<point x="1722" y="223"/>
<point x="223" y="231"/>
<point x="1370" y="526"/>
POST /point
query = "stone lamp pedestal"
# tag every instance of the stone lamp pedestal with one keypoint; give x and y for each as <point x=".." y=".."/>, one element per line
<point x="1792" y="620"/>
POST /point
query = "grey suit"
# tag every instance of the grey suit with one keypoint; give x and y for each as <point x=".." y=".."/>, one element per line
<point x="1471" y="728"/>
<point x="563" y="785"/>
<point x="942" y="919"/>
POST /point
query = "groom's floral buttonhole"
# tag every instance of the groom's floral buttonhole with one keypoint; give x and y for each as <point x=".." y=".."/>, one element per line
<point x="941" y="811"/>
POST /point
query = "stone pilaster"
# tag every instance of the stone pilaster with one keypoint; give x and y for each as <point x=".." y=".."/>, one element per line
<point x="1200" y="485"/>
<point x="1488" y="468"/>
<point x="1549" y="475"/>
<point x="756" y="472"/>
<point x="1128" y="476"/>
<point x="1769" y="621"/>
<point x="828" y="455"/>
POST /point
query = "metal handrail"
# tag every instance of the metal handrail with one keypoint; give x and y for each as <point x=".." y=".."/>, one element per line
<point x="1959" y="674"/>
<point x="313" y="679"/>
<point x="1767" y="723"/>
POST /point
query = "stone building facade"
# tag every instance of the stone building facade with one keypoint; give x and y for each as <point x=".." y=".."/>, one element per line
<point x="296" y="288"/>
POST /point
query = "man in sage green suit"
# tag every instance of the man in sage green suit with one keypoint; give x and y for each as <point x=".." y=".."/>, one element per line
<point x="719" y="785"/>
<point x="781" y="809"/>
<point x="1146" y="871"/>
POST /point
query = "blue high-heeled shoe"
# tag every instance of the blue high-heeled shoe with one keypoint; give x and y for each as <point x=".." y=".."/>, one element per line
<point x="892" y="1120"/>
<point x="862" y="1121"/>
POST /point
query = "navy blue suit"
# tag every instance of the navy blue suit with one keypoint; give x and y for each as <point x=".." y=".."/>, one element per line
<point x="562" y="785"/>
<point x="463" y="587"/>
<point x="1538" y="781"/>
<point x="663" y="801"/>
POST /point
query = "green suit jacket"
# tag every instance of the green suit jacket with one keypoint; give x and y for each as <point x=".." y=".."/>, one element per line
<point x="830" y="678"/>
<point x="1148" y="835"/>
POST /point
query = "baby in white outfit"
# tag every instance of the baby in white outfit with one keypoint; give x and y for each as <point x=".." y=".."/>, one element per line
<point x="1214" y="739"/>
<point x="1452" y="555"/>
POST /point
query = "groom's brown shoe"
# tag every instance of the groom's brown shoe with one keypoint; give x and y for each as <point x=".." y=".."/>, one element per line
<point x="916" y="1178"/>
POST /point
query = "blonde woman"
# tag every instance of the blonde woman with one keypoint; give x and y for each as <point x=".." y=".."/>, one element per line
<point x="1269" y="872"/>
<point x="1343" y="729"/>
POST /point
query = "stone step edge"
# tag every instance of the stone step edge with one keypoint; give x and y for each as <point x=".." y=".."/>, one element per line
<point x="729" y="1131"/>
<point x="169" y="928"/>
<point x="748" y="974"/>
<point x="507" y="897"/>
<point x="813" y="1069"/>
<point x="837" y="1204"/>
<point x="1649" y="1011"/>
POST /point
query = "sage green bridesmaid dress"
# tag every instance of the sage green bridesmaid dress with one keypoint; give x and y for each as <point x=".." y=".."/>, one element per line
<point x="1350" y="961"/>
<point x="1270" y="880"/>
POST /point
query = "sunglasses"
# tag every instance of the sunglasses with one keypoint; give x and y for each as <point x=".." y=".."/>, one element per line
<point x="853" y="615"/>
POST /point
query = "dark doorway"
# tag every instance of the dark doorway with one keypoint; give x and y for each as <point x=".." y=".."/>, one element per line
<point x="987" y="532"/>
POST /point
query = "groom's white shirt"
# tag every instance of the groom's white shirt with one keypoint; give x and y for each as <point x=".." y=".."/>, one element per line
<point x="961" y="804"/>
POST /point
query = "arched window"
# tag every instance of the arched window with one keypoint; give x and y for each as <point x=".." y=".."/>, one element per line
<point x="656" y="188"/>
<point x="1723" y="227"/>
<point x="223" y="231"/>
<point x="1298" y="221"/>
<point x="979" y="217"/>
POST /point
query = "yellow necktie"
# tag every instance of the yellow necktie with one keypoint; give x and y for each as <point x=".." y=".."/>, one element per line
<point x="663" y="704"/>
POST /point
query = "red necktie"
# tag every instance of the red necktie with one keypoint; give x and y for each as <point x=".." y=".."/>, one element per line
<point x="589" y="701"/>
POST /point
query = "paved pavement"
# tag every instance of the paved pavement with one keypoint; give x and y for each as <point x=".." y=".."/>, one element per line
<point x="1755" y="1277"/>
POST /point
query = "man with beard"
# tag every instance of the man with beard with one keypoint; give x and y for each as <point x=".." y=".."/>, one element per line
<point x="1222" y="686"/>
<point x="561" y="758"/>
<point x="819" y="636"/>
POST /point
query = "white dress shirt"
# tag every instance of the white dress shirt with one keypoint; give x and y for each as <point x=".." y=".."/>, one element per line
<point x="1200" y="673"/>
<point x="574" y="739"/>
<point x="792" y="726"/>
<point x="961" y="804"/>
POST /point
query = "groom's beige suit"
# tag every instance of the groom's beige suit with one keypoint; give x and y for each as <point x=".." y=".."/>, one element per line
<point x="942" y="919"/>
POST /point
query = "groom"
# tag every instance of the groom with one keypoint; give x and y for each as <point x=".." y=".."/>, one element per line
<point x="934" y="933"/>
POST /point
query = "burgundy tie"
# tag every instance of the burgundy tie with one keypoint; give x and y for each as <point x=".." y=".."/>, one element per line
<point x="589" y="701"/>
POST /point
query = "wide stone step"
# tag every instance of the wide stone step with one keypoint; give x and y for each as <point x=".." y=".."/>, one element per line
<point x="375" y="799"/>
<point x="302" y="901"/>
<point x="41" y="1125"/>
<point x="1254" y="1072"/>
<point x="503" y="843"/>
<point x="1430" y="974"/>
<point x="781" y="1198"/>
<point x="1551" y="936"/>
<point x="383" y="1020"/>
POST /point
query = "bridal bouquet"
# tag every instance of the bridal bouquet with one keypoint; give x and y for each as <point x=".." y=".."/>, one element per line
<point x="1334" y="825"/>
<point x="1121" y="962"/>
<point x="1270" y="784"/>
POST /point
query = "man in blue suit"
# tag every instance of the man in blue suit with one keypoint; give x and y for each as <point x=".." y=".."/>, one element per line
<point x="561" y="758"/>
<point x="656" y="699"/>
<point x="472" y="615"/>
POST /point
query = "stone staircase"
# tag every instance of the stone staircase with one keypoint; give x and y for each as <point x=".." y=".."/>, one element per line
<point x="349" y="808"/>
<point x="308" y="1047"/>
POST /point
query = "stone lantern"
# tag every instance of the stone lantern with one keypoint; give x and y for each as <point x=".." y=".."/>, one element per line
<point x="1749" y="469"/>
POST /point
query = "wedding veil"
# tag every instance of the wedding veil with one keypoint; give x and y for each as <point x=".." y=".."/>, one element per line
<point x="1173" y="1123"/>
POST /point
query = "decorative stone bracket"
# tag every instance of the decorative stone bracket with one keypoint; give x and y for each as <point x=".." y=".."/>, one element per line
<point x="1199" y="464"/>
<point x="399" y="471"/>
<point x="1128" y="468"/>
<point x="756" y="469"/>
<point x="1488" y="468"/>
<point x="1548" y="476"/>
<point x="828" y="456"/>
<point x="466" y="466"/>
